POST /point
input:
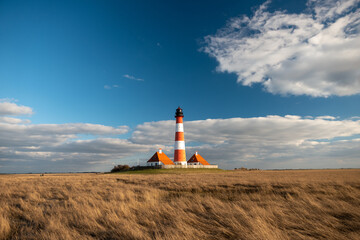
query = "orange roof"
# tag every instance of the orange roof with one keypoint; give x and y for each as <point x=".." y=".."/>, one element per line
<point x="161" y="157"/>
<point x="198" y="158"/>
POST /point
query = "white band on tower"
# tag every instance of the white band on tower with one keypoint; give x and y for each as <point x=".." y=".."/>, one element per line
<point x="180" y="145"/>
<point x="179" y="127"/>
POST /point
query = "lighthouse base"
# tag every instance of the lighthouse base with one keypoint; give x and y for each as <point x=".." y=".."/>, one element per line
<point x="180" y="163"/>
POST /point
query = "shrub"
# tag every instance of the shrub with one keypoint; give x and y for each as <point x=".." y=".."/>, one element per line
<point x="120" y="168"/>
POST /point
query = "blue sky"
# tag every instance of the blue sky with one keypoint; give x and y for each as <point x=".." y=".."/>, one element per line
<point x="94" y="76"/>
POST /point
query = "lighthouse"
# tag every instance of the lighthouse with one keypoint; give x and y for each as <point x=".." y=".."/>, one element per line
<point x="179" y="152"/>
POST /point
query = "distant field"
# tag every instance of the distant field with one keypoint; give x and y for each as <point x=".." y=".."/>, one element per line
<point x="174" y="171"/>
<point x="306" y="204"/>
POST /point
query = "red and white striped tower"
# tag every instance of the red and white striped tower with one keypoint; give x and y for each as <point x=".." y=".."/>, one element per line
<point x="179" y="153"/>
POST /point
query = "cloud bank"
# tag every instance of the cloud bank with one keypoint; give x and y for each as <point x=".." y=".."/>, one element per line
<point x="265" y="142"/>
<point x="26" y="147"/>
<point x="314" y="53"/>
<point x="262" y="142"/>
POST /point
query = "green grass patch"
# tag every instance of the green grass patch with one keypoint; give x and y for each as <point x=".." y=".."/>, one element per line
<point x="173" y="171"/>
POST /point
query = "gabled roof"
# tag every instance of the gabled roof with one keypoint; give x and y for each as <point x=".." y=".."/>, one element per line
<point x="161" y="157"/>
<point x="198" y="158"/>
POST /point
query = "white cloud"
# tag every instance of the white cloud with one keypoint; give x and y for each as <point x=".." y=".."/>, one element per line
<point x="154" y="132"/>
<point x="8" y="100"/>
<point x="60" y="147"/>
<point x="108" y="87"/>
<point x="326" y="117"/>
<point x="121" y="147"/>
<point x="26" y="147"/>
<point x="13" y="120"/>
<point x="315" y="53"/>
<point x="133" y="78"/>
<point x="51" y="134"/>
<point x="9" y="108"/>
<point x="275" y="129"/>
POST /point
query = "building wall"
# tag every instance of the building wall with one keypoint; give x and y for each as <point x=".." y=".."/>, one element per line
<point x="194" y="163"/>
<point x="155" y="164"/>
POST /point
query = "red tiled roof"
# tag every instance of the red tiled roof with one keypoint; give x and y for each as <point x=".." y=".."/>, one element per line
<point x="161" y="157"/>
<point x="198" y="158"/>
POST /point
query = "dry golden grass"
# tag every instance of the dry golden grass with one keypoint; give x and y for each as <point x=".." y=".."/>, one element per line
<point x="311" y="204"/>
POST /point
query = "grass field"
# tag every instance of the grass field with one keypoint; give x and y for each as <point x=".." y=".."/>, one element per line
<point x="306" y="204"/>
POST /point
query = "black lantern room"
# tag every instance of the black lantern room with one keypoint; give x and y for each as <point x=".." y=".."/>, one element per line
<point x="179" y="112"/>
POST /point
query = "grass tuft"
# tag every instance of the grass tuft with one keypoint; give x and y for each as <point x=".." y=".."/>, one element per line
<point x="4" y="227"/>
